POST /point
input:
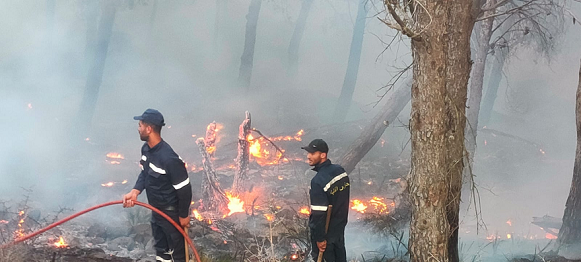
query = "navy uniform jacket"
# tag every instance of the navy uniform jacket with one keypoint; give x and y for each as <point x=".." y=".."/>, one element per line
<point x="330" y="186"/>
<point x="165" y="178"/>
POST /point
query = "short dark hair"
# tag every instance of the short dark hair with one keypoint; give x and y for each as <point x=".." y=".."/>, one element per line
<point x="155" y="128"/>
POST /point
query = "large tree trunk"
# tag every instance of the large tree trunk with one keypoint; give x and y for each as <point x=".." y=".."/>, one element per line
<point x="95" y="74"/>
<point x="243" y="156"/>
<point x="570" y="232"/>
<point x="247" y="59"/>
<point x="344" y="101"/>
<point x="373" y="131"/>
<point x="213" y="196"/>
<point x="441" y="71"/>
<point x="490" y="95"/>
<point x="293" y="47"/>
<point x="476" y="83"/>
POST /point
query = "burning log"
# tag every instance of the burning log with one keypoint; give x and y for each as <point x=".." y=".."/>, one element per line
<point x="243" y="156"/>
<point x="210" y="140"/>
<point x="213" y="195"/>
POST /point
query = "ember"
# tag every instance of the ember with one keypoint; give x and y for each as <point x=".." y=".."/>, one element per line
<point x="305" y="211"/>
<point x="115" y="155"/>
<point x="61" y="243"/>
<point x="269" y="217"/>
<point x="509" y="222"/>
<point x="110" y="184"/>
<point x="550" y="236"/>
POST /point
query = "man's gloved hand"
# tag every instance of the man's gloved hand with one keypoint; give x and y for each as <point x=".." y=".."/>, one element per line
<point x="185" y="221"/>
<point x="322" y="245"/>
<point x="130" y="198"/>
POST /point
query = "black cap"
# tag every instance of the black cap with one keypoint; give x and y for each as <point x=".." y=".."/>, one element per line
<point x="317" y="145"/>
<point x="151" y="116"/>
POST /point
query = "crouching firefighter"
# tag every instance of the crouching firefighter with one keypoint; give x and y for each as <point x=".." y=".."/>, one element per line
<point x="165" y="179"/>
<point x="329" y="192"/>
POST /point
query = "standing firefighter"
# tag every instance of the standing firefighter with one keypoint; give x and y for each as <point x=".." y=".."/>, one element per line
<point x="165" y="179"/>
<point x="329" y="193"/>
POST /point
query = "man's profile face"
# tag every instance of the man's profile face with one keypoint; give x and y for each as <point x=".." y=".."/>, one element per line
<point x="315" y="158"/>
<point x="144" y="131"/>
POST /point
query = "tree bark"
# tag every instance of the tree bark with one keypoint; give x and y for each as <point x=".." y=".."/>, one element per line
<point x="293" y="48"/>
<point x="346" y="96"/>
<point x="476" y="83"/>
<point x="213" y="196"/>
<point x="570" y="232"/>
<point x="210" y="139"/>
<point x="441" y="70"/>
<point x="373" y="131"/>
<point x="243" y="156"/>
<point x="247" y="59"/>
<point x="492" y="87"/>
<point x="95" y="74"/>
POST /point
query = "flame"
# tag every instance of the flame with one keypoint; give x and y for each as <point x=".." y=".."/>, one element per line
<point x="61" y="243"/>
<point x="212" y="137"/>
<point x="305" y="211"/>
<point x="492" y="237"/>
<point x="485" y="143"/>
<point x="109" y="184"/>
<point x="509" y="222"/>
<point x="235" y="205"/>
<point x="370" y="183"/>
<point x="209" y="221"/>
<point x="382" y="142"/>
<point x="124" y="182"/>
<point x="550" y="236"/>
<point x="379" y="204"/>
<point x="269" y="217"/>
<point x="199" y="217"/>
<point x="115" y="155"/>
<point x="542" y="151"/>
<point x="294" y="257"/>
<point x="358" y="206"/>
<point x="280" y="178"/>
<point x="21" y="213"/>
<point x="3" y="222"/>
<point x="115" y="162"/>
<point x="508" y="236"/>
<point x="29" y="105"/>
<point x="264" y="153"/>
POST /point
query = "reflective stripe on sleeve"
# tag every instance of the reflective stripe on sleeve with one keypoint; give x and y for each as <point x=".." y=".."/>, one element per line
<point x="318" y="208"/>
<point x="335" y="179"/>
<point x="182" y="184"/>
<point x="157" y="169"/>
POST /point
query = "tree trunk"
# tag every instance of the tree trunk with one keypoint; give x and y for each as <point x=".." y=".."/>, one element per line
<point x="221" y="6"/>
<point x="570" y="232"/>
<point x="95" y="74"/>
<point x="373" y="131"/>
<point x="247" y="59"/>
<point x="210" y="139"/>
<point x="213" y="196"/>
<point x="441" y="70"/>
<point x="243" y="156"/>
<point x="476" y="83"/>
<point x="344" y="101"/>
<point x="293" y="48"/>
<point x="92" y="15"/>
<point x="491" y="91"/>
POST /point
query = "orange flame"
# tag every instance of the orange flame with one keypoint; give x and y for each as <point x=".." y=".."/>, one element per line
<point x="305" y="211"/>
<point x="509" y="222"/>
<point x="197" y="216"/>
<point x="124" y="182"/>
<point x="269" y="217"/>
<point x="115" y="155"/>
<point x="550" y="236"/>
<point x="61" y="243"/>
<point x="358" y="206"/>
<point x="3" y="222"/>
<point x="235" y="205"/>
<point x="109" y="184"/>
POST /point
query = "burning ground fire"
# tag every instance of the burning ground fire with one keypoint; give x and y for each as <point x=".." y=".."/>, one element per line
<point x="61" y="243"/>
<point x="114" y="158"/>
<point x="377" y="205"/>
<point x="110" y="184"/>
<point x="235" y="205"/>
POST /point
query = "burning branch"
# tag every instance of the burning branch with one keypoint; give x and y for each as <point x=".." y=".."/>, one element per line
<point x="210" y="140"/>
<point x="243" y="155"/>
<point x="212" y="194"/>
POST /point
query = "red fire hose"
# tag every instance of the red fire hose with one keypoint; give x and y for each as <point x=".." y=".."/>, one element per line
<point x="178" y="227"/>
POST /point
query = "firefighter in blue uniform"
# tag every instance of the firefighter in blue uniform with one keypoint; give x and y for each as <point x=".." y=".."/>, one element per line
<point x="330" y="186"/>
<point x="165" y="179"/>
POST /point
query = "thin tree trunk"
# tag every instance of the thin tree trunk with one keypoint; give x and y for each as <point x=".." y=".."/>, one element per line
<point x="457" y="75"/>
<point x="373" y="131"/>
<point x="92" y="16"/>
<point x="247" y="59"/>
<point x="476" y="83"/>
<point x="243" y="156"/>
<point x="221" y="6"/>
<point x="293" y="48"/>
<point x="95" y="74"/>
<point x="441" y="71"/>
<point x="570" y="232"/>
<point x="492" y="87"/>
<point x="346" y="96"/>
